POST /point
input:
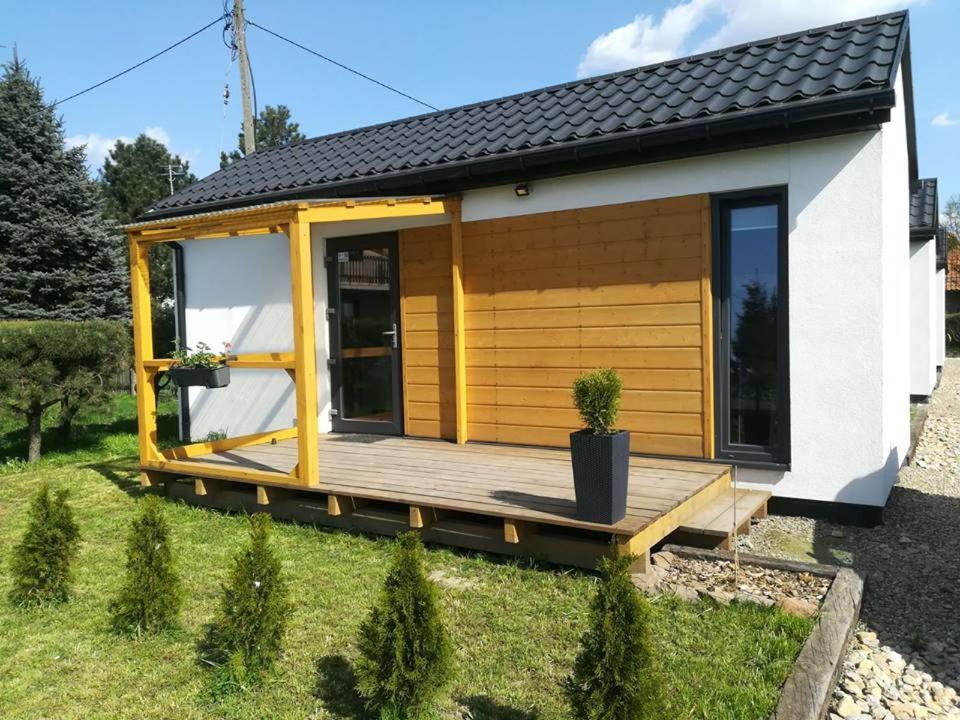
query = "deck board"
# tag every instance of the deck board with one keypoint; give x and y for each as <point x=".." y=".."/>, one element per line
<point x="512" y="482"/>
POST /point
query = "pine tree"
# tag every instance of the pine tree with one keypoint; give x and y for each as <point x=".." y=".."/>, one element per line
<point x="244" y="640"/>
<point x="272" y="129"/>
<point x="59" y="259"/>
<point x="406" y="654"/>
<point x="132" y="178"/>
<point x="613" y="676"/>
<point x="150" y="598"/>
<point x="41" y="562"/>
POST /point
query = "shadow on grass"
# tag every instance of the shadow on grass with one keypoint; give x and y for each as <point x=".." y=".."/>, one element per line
<point x="83" y="437"/>
<point x="123" y="474"/>
<point x="336" y="688"/>
<point x="483" y="707"/>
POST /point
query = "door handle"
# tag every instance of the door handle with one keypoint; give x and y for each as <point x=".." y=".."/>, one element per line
<point x="393" y="336"/>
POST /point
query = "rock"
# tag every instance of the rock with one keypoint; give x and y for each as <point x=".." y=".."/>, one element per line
<point x="684" y="592"/>
<point x="755" y="599"/>
<point x="847" y="708"/>
<point x="797" y="607"/>
<point x="663" y="559"/>
<point x="647" y="583"/>
<point x="721" y="597"/>
<point x="869" y="639"/>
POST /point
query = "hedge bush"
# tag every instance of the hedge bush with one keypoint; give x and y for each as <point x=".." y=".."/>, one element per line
<point x="953" y="330"/>
<point x="596" y="395"/>
<point x="41" y="562"/>
<point x="52" y="362"/>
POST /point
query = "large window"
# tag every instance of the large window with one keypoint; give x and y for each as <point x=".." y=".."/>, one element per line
<point x="750" y="294"/>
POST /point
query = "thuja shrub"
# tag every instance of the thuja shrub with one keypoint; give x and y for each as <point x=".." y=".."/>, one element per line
<point x="150" y="598"/>
<point x="406" y="657"/>
<point x="614" y="677"/>
<point x="245" y="638"/>
<point x="41" y="561"/>
<point x="596" y="395"/>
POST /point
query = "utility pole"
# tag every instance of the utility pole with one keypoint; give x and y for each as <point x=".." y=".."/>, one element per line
<point x="239" y="27"/>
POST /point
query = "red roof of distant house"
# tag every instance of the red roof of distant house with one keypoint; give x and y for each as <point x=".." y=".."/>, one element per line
<point x="953" y="270"/>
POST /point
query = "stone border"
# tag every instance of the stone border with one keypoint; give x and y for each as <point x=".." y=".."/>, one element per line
<point x="808" y="689"/>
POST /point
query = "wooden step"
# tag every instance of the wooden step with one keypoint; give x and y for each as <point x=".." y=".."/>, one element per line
<point x="718" y="517"/>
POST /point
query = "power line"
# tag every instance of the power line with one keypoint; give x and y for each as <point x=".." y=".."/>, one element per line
<point x="341" y="65"/>
<point x="139" y="64"/>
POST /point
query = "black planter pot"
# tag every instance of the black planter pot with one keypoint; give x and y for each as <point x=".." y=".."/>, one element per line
<point x="200" y="377"/>
<point x="601" y="464"/>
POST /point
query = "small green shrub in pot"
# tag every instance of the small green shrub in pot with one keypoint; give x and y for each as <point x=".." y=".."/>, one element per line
<point x="600" y="453"/>
<point x="596" y="395"/>
<point x="200" y="367"/>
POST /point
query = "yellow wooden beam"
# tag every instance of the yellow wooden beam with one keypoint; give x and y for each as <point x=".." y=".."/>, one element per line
<point x="212" y="446"/>
<point x="254" y="223"/>
<point x="305" y="352"/>
<point x="263" y="361"/>
<point x="459" y="338"/>
<point x="376" y="210"/>
<point x="218" y="471"/>
<point x="143" y="349"/>
<point x="706" y="325"/>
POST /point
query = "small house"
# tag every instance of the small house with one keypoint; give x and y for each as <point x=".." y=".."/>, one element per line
<point x="408" y="303"/>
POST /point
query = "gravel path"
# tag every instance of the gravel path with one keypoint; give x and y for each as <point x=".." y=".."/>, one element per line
<point x="905" y="662"/>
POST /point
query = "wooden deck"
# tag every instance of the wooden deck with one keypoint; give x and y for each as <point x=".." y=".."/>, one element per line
<point x="499" y="498"/>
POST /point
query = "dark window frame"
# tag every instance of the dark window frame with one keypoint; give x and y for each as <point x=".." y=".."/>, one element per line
<point x="749" y="455"/>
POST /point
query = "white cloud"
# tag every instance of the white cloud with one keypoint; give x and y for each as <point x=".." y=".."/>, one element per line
<point x="158" y="134"/>
<point x="647" y="40"/>
<point x="944" y="120"/>
<point x="98" y="146"/>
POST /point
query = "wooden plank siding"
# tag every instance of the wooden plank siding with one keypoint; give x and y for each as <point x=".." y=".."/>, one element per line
<point x="426" y="324"/>
<point x="550" y="295"/>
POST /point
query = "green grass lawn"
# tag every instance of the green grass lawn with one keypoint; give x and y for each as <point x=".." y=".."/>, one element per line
<point x="515" y="625"/>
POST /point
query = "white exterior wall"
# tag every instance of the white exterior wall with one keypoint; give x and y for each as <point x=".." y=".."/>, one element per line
<point x="848" y="285"/>
<point x="923" y="317"/>
<point x="940" y="302"/>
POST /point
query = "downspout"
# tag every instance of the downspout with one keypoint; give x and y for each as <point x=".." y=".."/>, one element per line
<point x="180" y="330"/>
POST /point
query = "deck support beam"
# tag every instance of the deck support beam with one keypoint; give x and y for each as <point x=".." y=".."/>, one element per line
<point x="459" y="332"/>
<point x="305" y="352"/>
<point x="516" y="531"/>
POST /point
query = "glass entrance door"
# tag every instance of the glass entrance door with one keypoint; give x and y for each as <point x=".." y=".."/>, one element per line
<point x="365" y="334"/>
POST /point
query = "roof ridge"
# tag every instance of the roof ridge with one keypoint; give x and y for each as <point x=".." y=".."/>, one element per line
<point x="872" y="19"/>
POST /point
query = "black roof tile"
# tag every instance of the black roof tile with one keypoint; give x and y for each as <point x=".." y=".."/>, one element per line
<point x="924" y="207"/>
<point x="840" y="67"/>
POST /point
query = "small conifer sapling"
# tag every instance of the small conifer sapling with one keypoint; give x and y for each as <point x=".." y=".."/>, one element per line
<point x="614" y="677"/>
<point x="150" y="598"/>
<point x="41" y="561"/>
<point x="406" y="655"/>
<point x="245" y="639"/>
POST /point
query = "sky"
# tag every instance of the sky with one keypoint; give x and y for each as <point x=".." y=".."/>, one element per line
<point x="446" y="53"/>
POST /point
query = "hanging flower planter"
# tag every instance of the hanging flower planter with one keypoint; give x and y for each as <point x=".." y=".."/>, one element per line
<point x="200" y="367"/>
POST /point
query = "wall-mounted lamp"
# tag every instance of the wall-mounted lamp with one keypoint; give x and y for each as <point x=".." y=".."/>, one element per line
<point x="522" y="190"/>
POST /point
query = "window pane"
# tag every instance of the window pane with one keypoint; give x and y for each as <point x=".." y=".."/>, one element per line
<point x="753" y="326"/>
<point x="366" y="355"/>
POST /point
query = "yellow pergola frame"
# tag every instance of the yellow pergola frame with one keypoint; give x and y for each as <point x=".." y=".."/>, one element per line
<point x="294" y="220"/>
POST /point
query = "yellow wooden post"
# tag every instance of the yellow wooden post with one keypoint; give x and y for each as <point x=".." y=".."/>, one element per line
<point x="706" y="324"/>
<point x="143" y="349"/>
<point x="459" y="338"/>
<point x="305" y="352"/>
